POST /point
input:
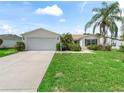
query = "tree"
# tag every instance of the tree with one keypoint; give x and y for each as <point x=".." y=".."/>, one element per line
<point x="67" y="43"/>
<point x="66" y="39"/>
<point x="20" y="46"/>
<point x="122" y="32"/>
<point x="105" y="19"/>
<point x="1" y="41"/>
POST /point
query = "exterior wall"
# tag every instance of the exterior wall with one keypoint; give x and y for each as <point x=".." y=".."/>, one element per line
<point x="82" y="41"/>
<point x="117" y="43"/>
<point x="9" y="43"/>
<point x="41" y="34"/>
<point x="100" y="42"/>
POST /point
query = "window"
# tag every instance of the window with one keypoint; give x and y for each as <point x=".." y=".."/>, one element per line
<point x="57" y="38"/>
<point x="113" y="44"/>
<point x="23" y="38"/>
<point x="77" y="42"/>
<point x="90" y="42"/>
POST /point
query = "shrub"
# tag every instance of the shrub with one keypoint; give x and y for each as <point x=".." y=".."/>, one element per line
<point x="122" y="48"/>
<point x="100" y="47"/>
<point x="58" y="46"/>
<point x="65" y="47"/>
<point x="66" y="39"/>
<point x="108" y="48"/>
<point x="74" y="47"/>
<point x="1" y="41"/>
<point x="20" y="46"/>
<point x="122" y="36"/>
<point x="67" y="43"/>
<point x="92" y="47"/>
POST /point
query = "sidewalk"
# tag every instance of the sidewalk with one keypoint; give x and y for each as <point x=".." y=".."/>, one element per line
<point x="84" y="51"/>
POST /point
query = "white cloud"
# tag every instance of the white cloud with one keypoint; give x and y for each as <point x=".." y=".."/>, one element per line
<point x="123" y="13"/>
<point x="119" y="24"/>
<point x="54" y="10"/>
<point x="83" y="5"/>
<point x="62" y="20"/>
<point x="7" y="29"/>
<point x="121" y="3"/>
<point x="94" y="12"/>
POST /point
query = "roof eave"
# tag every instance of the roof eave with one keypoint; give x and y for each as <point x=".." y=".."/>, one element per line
<point x="38" y="29"/>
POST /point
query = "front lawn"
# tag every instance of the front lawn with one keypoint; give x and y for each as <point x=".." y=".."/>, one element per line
<point x="5" y="52"/>
<point x="101" y="71"/>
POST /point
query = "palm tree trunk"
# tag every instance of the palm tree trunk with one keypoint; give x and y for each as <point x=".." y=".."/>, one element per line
<point x="104" y="42"/>
<point x="104" y="36"/>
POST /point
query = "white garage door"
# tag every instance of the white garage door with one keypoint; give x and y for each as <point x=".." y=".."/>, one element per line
<point x="41" y="43"/>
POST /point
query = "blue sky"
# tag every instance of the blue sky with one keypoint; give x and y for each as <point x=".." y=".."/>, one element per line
<point x="61" y="17"/>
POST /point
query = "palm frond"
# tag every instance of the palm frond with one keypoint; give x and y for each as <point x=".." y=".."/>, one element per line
<point x="97" y="10"/>
<point x="104" y="4"/>
<point x="114" y="9"/>
<point x="118" y="18"/>
<point x="113" y="29"/>
<point x="95" y="26"/>
<point x="88" y="24"/>
<point x="92" y="21"/>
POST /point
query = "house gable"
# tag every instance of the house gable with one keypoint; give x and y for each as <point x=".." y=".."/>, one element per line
<point x="40" y="33"/>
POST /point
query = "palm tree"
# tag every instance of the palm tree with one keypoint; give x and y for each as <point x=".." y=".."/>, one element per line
<point x="105" y="19"/>
<point x="122" y="32"/>
<point x="1" y="41"/>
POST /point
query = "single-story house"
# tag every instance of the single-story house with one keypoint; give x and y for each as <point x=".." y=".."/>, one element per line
<point x="9" y="40"/>
<point x="41" y="39"/>
<point x="85" y="40"/>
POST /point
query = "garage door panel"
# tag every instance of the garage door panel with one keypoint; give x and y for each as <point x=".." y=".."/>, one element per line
<point x="41" y="43"/>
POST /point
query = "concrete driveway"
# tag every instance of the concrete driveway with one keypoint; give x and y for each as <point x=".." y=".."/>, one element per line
<point x="24" y="71"/>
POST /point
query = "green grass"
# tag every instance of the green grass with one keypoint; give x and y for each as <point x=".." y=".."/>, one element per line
<point x="5" y="52"/>
<point x="101" y="71"/>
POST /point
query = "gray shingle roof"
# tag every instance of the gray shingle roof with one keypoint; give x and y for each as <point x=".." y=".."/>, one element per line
<point x="10" y="36"/>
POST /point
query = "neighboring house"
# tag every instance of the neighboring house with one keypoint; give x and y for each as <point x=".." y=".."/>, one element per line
<point x="115" y="42"/>
<point x="9" y="40"/>
<point x="41" y="39"/>
<point x="85" y="40"/>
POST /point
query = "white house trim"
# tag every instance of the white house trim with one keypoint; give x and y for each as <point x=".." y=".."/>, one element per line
<point x="41" y="39"/>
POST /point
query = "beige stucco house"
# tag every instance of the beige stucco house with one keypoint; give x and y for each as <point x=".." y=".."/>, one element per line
<point x="41" y="39"/>
<point x="85" y="40"/>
